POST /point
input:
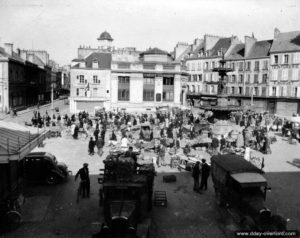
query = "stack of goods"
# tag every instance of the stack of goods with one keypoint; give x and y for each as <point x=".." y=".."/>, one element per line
<point x="119" y="168"/>
<point x="149" y="171"/>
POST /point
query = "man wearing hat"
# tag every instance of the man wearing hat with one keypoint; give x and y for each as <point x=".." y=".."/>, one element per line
<point x="85" y="180"/>
<point x="204" y="174"/>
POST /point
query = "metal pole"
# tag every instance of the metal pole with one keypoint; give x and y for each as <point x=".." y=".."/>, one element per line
<point x="52" y="99"/>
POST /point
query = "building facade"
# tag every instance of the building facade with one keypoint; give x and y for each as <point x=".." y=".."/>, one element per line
<point x="265" y="74"/>
<point x="284" y="84"/>
<point x="151" y="80"/>
<point x="115" y="79"/>
<point x="90" y="83"/>
<point x="20" y="80"/>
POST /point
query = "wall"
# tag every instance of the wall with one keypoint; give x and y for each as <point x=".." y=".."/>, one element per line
<point x="156" y="58"/>
<point x="136" y="88"/>
<point x="286" y="108"/>
<point x="4" y="87"/>
<point x="259" y="105"/>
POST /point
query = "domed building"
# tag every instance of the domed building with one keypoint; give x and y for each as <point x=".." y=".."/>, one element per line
<point x="110" y="78"/>
<point x="105" y="40"/>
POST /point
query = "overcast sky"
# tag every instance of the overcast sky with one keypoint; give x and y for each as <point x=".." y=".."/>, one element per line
<point x="60" y="26"/>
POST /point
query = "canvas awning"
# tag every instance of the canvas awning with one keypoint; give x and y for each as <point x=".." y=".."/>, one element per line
<point x="17" y="141"/>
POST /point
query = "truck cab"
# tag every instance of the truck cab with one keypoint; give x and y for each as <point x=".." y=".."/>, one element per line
<point x="242" y="188"/>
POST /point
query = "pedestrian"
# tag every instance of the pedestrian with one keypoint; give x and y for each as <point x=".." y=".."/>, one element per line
<point x="85" y="180"/>
<point x="99" y="145"/>
<point x="223" y="142"/>
<point x="96" y="133"/>
<point x="161" y="155"/>
<point x="215" y="145"/>
<point x="91" y="146"/>
<point x="196" y="174"/>
<point x="113" y="139"/>
<point x="204" y="174"/>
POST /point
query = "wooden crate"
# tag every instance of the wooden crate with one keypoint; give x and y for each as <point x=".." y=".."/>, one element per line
<point x="160" y="199"/>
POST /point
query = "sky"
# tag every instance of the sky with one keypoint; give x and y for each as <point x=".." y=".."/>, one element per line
<point x="61" y="26"/>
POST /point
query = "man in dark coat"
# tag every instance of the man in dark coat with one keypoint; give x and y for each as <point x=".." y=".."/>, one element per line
<point x="96" y="134"/>
<point x="204" y="174"/>
<point x="85" y="180"/>
<point x="91" y="146"/>
<point x="196" y="174"/>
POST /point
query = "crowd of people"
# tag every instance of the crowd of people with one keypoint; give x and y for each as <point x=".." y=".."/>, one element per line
<point x="171" y="130"/>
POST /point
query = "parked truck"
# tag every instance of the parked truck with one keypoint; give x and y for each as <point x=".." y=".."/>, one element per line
<point x="242" y="187"/>
<point x="126" y="196"/>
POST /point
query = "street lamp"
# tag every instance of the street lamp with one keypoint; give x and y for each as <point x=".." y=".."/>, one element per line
<point x="52" y="106"/>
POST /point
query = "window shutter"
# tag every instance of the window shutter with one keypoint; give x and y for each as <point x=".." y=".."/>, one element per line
<point x="298" y="91"/>
<point x="277" y="91"/>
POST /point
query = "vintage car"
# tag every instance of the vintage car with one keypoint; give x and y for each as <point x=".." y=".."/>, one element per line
<point x="43" y="167"/>
<point x="242" y="188"/>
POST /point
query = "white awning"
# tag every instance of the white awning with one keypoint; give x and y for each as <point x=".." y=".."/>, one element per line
<point x="17" y="141"/>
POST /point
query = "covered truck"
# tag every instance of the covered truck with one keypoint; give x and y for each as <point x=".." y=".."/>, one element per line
<point x="242" y="188"/>
<point x="126" y="196"/>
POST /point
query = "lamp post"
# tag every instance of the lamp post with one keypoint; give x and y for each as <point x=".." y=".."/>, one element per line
<point x="52" y="106"/>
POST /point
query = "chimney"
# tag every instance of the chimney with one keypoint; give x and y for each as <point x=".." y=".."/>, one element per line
<point x="276" y="32"/>
<point x="23" y="54"/>
<point x="8" y="48"/>
<point x="235" y="40"/>
<point x="180" y="48"/>
<point x="249" y="43"/>
<point x="210" y="41"/>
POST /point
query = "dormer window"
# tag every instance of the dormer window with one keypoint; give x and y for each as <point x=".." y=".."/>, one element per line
<point x="95" y="64"/>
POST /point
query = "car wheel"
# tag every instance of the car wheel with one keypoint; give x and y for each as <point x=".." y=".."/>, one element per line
<point x="51" y="179"/>
<point x="248" y="223"/>
<point x="13" y="219"/>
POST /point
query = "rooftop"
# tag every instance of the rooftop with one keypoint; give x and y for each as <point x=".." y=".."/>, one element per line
<point x="234" y="163"/>
<point x="155" y="51"/>
<point x="222" y="44"/>
<point x="237" y="52"/>
<point x="287" y="41"/>
<point x="260" y="49"/>
<point x="105" y="36"/>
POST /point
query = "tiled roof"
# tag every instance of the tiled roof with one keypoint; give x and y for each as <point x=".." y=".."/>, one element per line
<point x="103" y="59"/>
<point x="155" y="51"/>
<point x="260" y="49"/>
<point x="237" y="52"/>
<point x="288" y="41"/>
<point x="223" y="43"/>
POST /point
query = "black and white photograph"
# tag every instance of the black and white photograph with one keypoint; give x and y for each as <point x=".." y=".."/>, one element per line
<point x="149" y="119"/>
